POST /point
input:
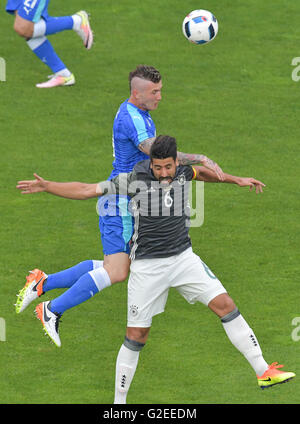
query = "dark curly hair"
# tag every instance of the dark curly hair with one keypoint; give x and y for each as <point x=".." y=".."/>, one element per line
<point x="164" y="146"/>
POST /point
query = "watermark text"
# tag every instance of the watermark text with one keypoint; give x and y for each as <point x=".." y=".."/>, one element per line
<point x="2" y="330"/>
<point x="2" y="69"/>
<point x="179" y="198"/>
<point x="295" y="72"/>
<point x="296" y="332"/>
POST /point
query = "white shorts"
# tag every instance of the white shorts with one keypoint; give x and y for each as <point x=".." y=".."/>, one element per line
<point x="150" y="280"/>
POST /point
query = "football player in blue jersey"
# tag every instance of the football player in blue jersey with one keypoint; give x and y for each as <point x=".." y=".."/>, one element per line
<point x="33" y="23"/>
<point x="133" y="134"/>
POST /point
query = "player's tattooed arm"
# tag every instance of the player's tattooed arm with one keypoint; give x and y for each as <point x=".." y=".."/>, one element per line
<point x="189" y="158"/>
<point x="145" y="145"/>
<point x="193" y="159"/>
<point x="186" y="158"/>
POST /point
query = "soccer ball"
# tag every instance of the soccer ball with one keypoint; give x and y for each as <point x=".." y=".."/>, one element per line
<point x="200" y="26"/>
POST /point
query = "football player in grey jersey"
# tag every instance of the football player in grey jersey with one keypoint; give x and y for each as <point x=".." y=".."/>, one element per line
<point x="162" y="256"/>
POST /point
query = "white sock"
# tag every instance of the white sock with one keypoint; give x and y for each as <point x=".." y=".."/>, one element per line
<point x="39" y="29"/>
<point x="243" y="338"/>
<point x="97" y="264"/>
<point x="64" y="72"/>
<point x="34" y="43"/>
<point x="76" y="22"/>
<point x="127" y="361"/>
<point x="100" y="277"/>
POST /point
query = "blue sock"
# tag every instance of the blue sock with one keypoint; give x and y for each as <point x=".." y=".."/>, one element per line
<point x="46" y="53"/>
<point x="62" y="23"/>
<point x="67" y="277"/>
<point x="85" y="288"/>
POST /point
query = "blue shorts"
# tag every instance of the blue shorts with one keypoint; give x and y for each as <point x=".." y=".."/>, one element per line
<point x="31" y="10"/>
<point x="115" y="223"/>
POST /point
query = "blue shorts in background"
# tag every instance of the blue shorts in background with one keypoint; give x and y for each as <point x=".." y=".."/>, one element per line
<point x="115" y="223"/>
<point x="31" y="10"/>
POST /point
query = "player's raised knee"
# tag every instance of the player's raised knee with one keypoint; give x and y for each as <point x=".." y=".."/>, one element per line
<point x="122" y="274"/>
<point x="137" y="335"/>
<point x="222" y="305"/>
<point x="23" y="28"/>
<point x="117" y="274"/>
<point x="227" y="304"/>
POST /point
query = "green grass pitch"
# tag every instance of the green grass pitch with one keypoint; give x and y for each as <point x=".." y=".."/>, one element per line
<point x="233" y="100"/>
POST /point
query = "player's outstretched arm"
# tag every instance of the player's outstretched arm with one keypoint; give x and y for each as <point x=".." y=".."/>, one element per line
<point x="187" y="158"/>
<point x="251" y="183"/>
<point x="193" y="159"/>
<point x="206" y="175"/>
<point x="72" y="190"/>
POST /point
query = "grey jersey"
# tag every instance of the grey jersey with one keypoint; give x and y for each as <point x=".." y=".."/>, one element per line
<point x="161" y="213"/>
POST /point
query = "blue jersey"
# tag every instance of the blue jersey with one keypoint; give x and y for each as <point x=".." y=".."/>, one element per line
<point x="131" y="126"/>
<point x="13" y="5"/>
<point x="31" y="10"/>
